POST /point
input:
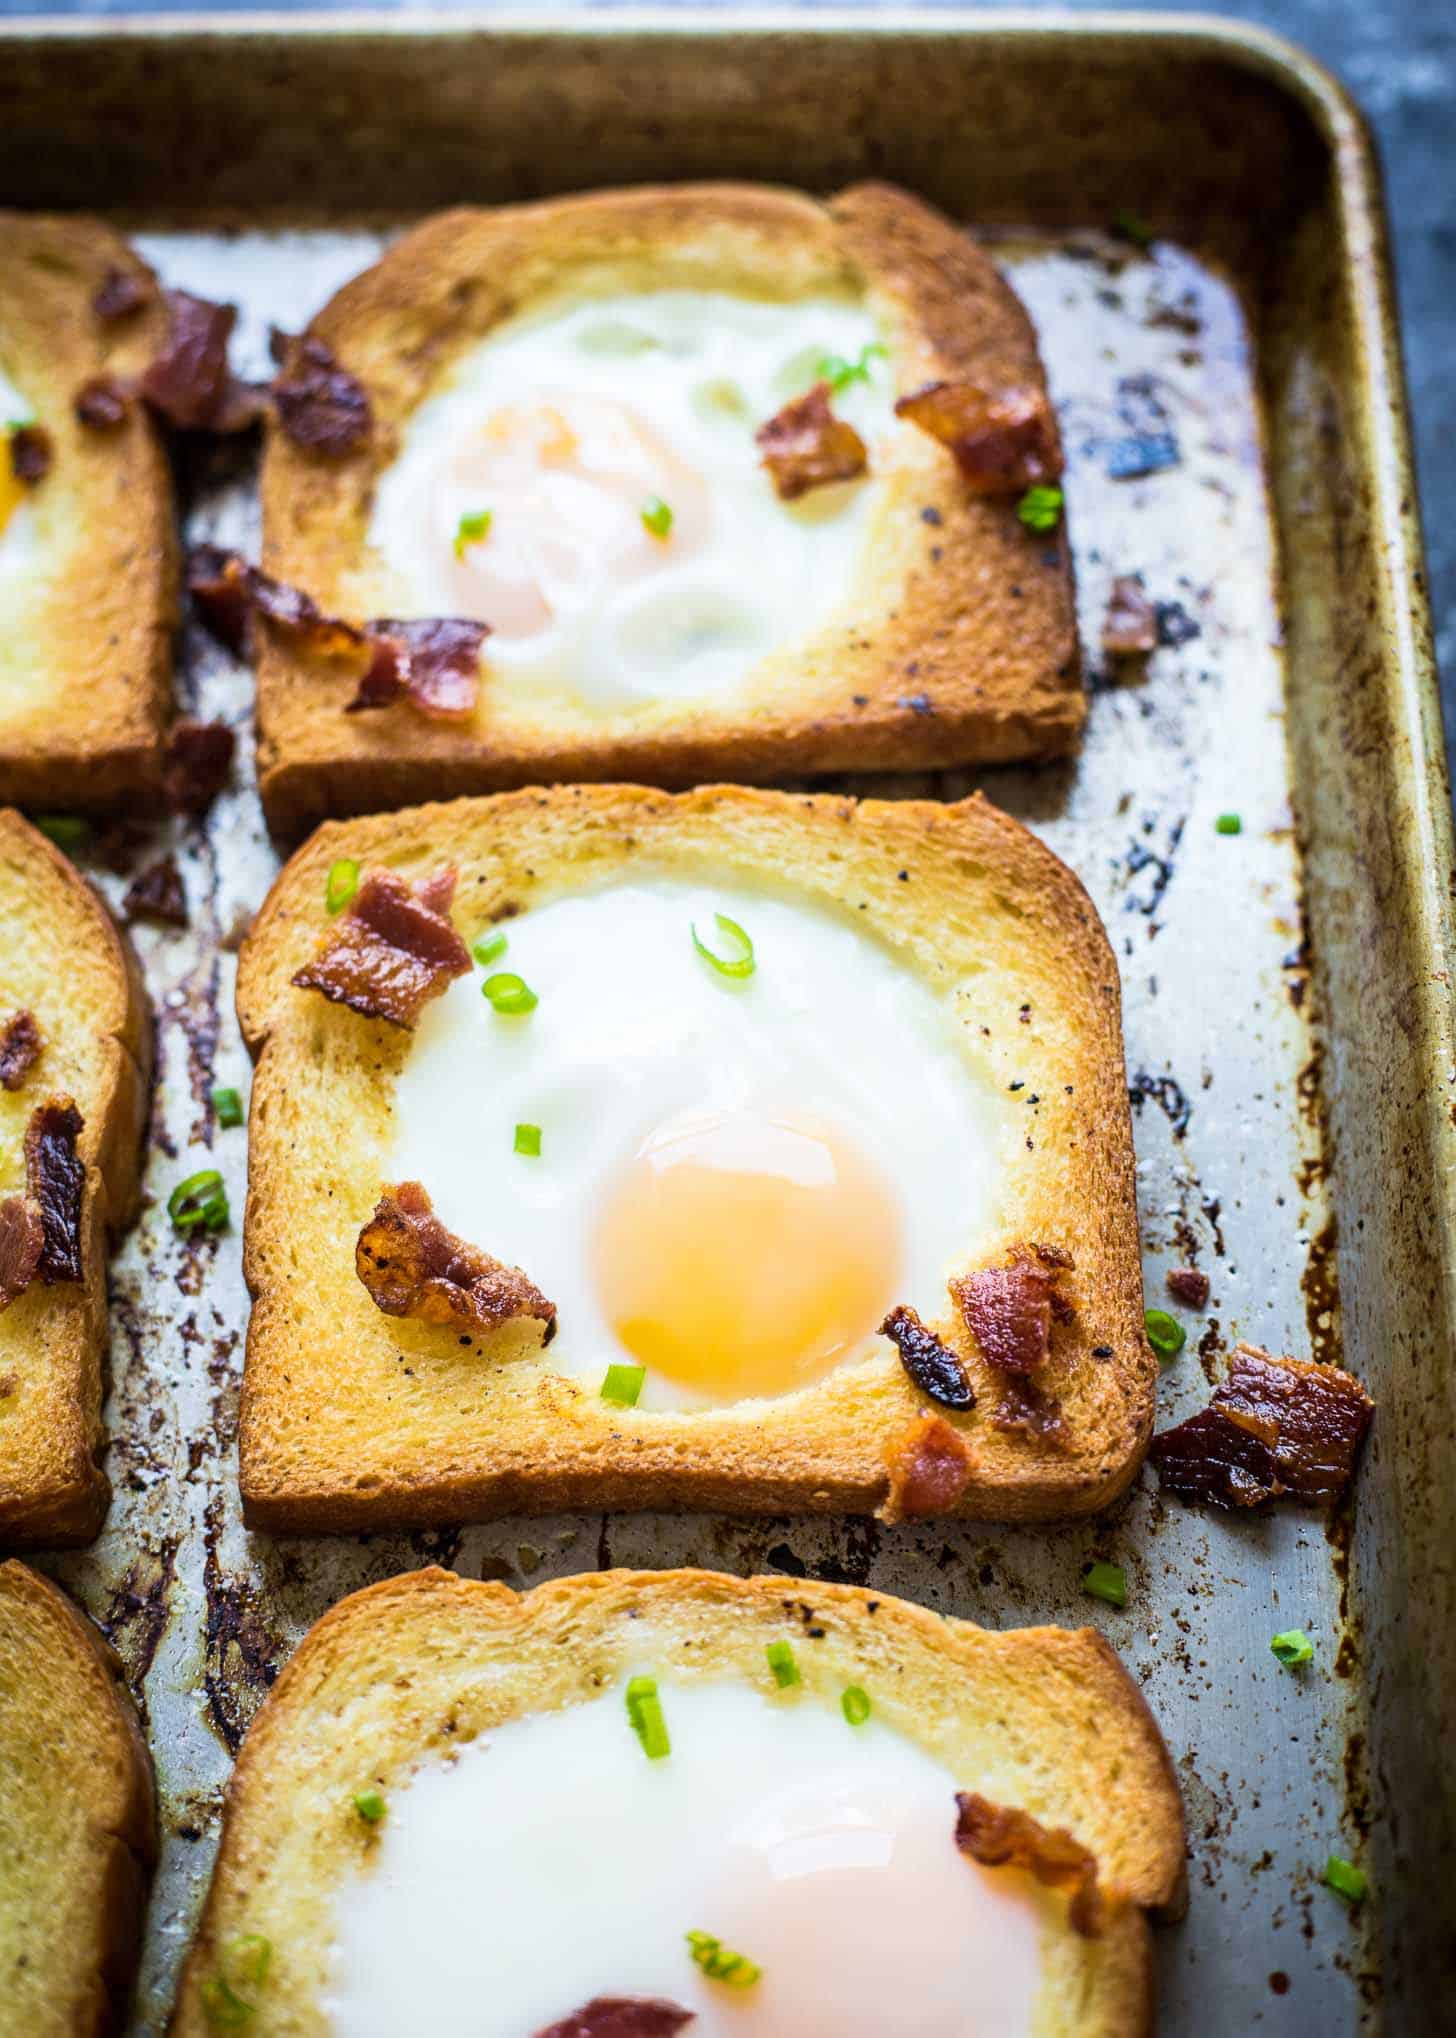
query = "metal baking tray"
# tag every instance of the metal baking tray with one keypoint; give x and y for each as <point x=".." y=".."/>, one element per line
<point x="1288" y="992"/>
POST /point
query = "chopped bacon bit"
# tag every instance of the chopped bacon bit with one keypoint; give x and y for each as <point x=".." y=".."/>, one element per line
<point x="1275" y="1427"/>
<point x="22" y="1238"/>
<point x="102" y="403"/>
<point x="220" y="583"/>
<point x="1002" y="443"/>
<point x="189" y="382"/>
<point x="31" y="452"/>
<point x="120" y="293"/>
<point x="55" y="1180"/>
<point x="433" y="663"/>
<point x="1130" y="627"/>
<point x="1025" y="1406"/>
<point x="999" y="1837"/>
<point x="1009" y="1310"/>
<point x="930" y="1468"/>
<point x="413" y="1266"/>
<point x="933" y="1366"/>
<point x="622" y="2017"/>
<point x="158" y="894"/>
<point x="196" y="763"/>
<point x="321" y="406"/>
<point x="1190" y="1285"/>
<point x="393" y="950"/>
<point x="20" y="1046"/>
<point x="805" y="445"/>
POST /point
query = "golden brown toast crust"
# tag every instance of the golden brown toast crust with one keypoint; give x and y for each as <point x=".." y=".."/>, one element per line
<point x="66" y="961"/>
<point x="77" y="1818"/>
<point x="1037" y="1718"/>
<point x="85" y="648"/>
<point x="351" y="1419"/>
<point x="963" y="646"/>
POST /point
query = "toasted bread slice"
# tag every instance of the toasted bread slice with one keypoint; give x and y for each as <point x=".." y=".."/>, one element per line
<point x="77" y="1818"/>
<point x="66" y="963"/>
<point x="954" y="638"/>
<point x="88" y="559"/>
<point x="401" y="1677"/>
<point x="352" y="1418"/>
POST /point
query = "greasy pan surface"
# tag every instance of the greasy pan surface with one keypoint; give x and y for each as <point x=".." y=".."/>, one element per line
<point x="1288" y="1028"/>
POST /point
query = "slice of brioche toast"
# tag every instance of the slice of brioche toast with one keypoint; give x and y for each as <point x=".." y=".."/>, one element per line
<point x="955" y="639"/>
<point x="77" y="1819"/>
<point x="404" y="1675"/>
<point x="353" y="1417"/>
<point x="67" y="965"/>
<point x="88" y="548"/>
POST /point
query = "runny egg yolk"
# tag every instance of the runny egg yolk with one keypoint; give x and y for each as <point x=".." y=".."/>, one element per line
<point x="562" y="483"/>
<point x="741" y="1254"/>
<point x="12" y="488"/>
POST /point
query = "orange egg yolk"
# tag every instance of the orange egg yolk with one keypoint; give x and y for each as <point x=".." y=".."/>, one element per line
<point x="743" y="1255"/>
<point x="12" y="489"/>
<point x="566" y="480"/>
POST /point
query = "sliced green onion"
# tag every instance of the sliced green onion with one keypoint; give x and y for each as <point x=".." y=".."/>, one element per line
<point x="199" y="1203"/>
<point x="1347" y="1881"/>
<point x="1040" y="509"/>
<point x="343" y="882"/>
<point x="644" y="1710"/>
<point x="228" y="1107"/>
<point x="489" y="947"/>
<point x="528" y="1140"/>
<point x="67" y="831"/>
<point x="1293" y="1646"/>
<point x="509" y="994"/>
<point x="472" y="528"/>
<point x="720" y="1964"/>
<point x="1106" y="1581"/>
<point x="738" y="962"/>
<point x="623" y="1384"/>
<point x="246" y="1960"/>
<point x="222" y="2006"/>
<point x="369" y="1804"/>
<point x="839" y="373"/>
<point x="1166" y="1334"/>
<point x="855" y="1705"/>
<point x="781" y="1662"/>
<point x="656" y="516"/>
<point x="1229" y="824"/>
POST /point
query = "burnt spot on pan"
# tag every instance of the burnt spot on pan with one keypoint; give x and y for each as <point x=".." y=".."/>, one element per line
<point x="1169" y="1096"/>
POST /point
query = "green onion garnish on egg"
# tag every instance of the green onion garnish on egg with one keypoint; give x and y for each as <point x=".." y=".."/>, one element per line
<point x="342" y="883"/>
<point x="67" y="831"/>
<point x="1040" y="509"/>
<point x="738" y="960"/>
<point x="472" y="529"/>
<point x="246" y="1960"/>
<point x="489" y="947"/>
<point x="719" y="1963"/>
<point x="228" y="1106"/>
<point x="781" y="1661"/>
<point x="222" y="2006"/>
<point x="1229" y="824"/>
<point x="509" y="994"/>
<point x="1292" y="1647"/>
<point x="855" y="1705"/>
<point x="200" y="1203"/>
<point x="623" y="1384"/>
<point x="528" y="1140"/>
<point x="1107" y="1582"/>
<point x="839" y="373"/>
<point x="369" y="1804"/>
<point x="656" y="517"/>
<point x="1166" y="1334"/>
<point x="644" y="1711"/>
<point x="1346" y="1880"/>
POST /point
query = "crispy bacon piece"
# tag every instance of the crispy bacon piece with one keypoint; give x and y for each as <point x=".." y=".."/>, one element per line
<point x="1009" y="1310"/>
<point x="930" y="1468"/>
<point x="433" y="663"/>
<point x="22" y="1237"/>
<point x="1275" y="1427"/>
<point x="413" y="1266"/>
<point x="1190" y="1285"/>
<point x="196" y="763"/>
<point x="158" y="894"/>
<point x="31" y="452"/>
<point x="20" y="1046"/>
<point x="999" y="1837"/>
<point x="1025" y="1406"/>
<point x="102" y="403"/>
<point x="55" y="1181"/>
<point x="189" y="382"/>
<point x="1002" y="442"/>
<point x="320" y="405"/>
<point x="805" y="445"/>
<point x="119" y="294"/>
<point x="622" y="2017"/>
<point x="220" y="584"/>
<point x="392" y="951"/>
<point x="933" y="1366"/>
<point x="1130" y="626"/>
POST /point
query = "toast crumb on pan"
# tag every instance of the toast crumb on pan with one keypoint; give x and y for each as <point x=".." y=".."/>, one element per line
<point x="399" y="1680"/>
<point x="69" y="969"/>
<point x="951" y="640"/>
<point x="88" y="548"/>
<point x="77" y="1818"/>
<point x="387" y="1380"/>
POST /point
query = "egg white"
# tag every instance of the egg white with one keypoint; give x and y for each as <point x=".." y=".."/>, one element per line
<point x="705" y="369"/>
<point x="633" y="1028"/>
<point x="19" y="540"/>
<point x="551" y="1862"/>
